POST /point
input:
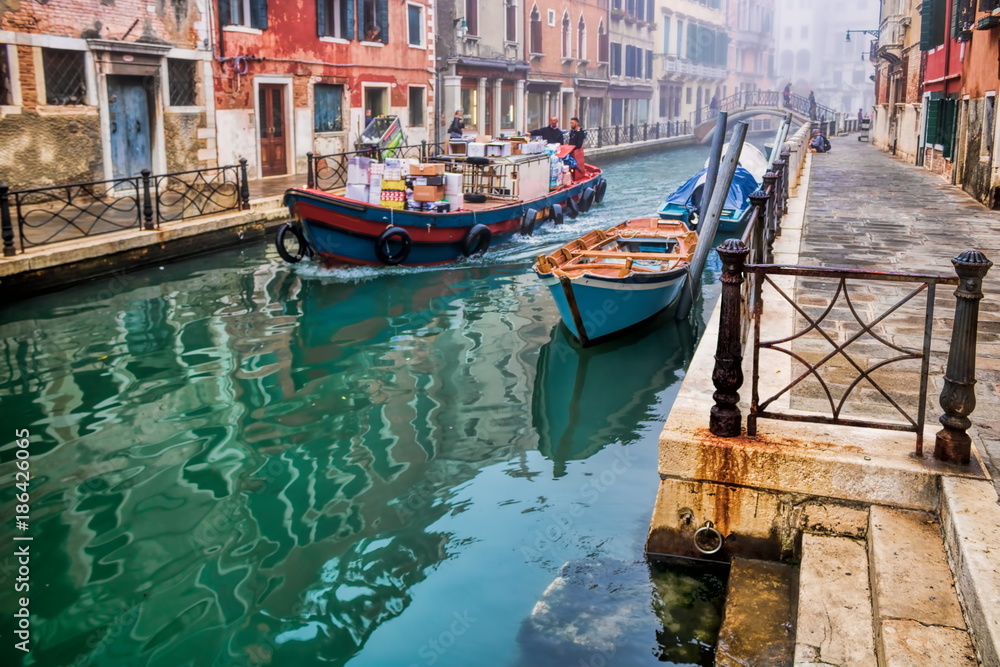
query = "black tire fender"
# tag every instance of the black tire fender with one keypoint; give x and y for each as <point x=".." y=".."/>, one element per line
<point x="382" y="246"/>
<point x="602" y="188"/>
<point x="279" y="243"/>
<point x="570" y="208"/>
<point x="528" y="222"/>
<point x="556" y="214"/>
<point x="586" y="200"/>
<point x="477" y="241"/>
<point x="475" y="197"/>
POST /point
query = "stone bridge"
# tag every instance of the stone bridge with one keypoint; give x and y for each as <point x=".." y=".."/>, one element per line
<point x="750" y="103"/>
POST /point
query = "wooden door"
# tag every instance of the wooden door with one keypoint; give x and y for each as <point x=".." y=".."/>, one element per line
<point x="272" y="130"/>
<point x="129" y="123"/>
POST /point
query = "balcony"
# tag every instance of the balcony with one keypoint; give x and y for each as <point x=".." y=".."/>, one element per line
<point x="692" y="69"/>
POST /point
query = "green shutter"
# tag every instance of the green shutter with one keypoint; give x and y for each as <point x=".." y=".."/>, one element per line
<point x="933" y="110"/>
<point x="321" y="18"/>
<point x="692" y="42"/>
<point x="258" y="14"/>
<point x="927" y="24"/>
<point x="948" y="127"/>
<point x="349" y="25"/>
<point x="382" y="19"/>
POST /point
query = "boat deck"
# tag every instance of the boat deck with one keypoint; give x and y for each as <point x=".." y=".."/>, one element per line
<point x="643" y="245"/>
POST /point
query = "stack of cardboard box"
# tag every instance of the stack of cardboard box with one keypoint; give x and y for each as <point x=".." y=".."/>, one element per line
<point x="358" y="178"/>
<point x="428" y="181"/>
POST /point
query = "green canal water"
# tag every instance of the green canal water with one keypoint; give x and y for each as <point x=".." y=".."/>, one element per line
<point x="238" y="462"/>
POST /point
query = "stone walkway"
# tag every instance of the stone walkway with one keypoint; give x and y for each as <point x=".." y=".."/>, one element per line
<point x="867" y="210"/>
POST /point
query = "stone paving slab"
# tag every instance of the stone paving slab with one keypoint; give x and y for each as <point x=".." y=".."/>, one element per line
<point x="867" y="210"/>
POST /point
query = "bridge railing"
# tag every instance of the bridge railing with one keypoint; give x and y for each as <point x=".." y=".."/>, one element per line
<point x="763" y="99"/>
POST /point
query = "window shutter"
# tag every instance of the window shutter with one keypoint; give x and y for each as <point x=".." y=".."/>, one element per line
<point x="224" y="16"/>
<point x="321" y="18"/>
<point x="927" y="25"/>
<point x="382" y="19"/>
<point x="692" y="42"/>
<point x="349" y="27"/>
<point x="948" y="127"/>
<point x="933" y="112"/>
<point x="258" y="14"/>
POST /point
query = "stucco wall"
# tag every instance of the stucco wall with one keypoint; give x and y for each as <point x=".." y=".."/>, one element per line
<point x="975" y="169"/>
<point x="909" y="118"/>
<point x="180" y="132"/>
<point x="37" y="150"/>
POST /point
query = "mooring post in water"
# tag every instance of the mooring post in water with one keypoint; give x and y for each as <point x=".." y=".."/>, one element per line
<point x="5" y="221"/>
<point x="958" y="396"/>
<point x="711" y="174"/>
<point x="708" y="224"/>
<point x="725" y="420"/>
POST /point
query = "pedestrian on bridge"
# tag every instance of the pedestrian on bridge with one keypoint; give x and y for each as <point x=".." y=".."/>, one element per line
<point x="812" y="105"/>
<point x="787" y="94"/>
<point x="713" y="106"/>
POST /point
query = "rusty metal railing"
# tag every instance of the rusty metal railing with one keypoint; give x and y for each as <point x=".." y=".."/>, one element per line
<point x="957" y="399"/>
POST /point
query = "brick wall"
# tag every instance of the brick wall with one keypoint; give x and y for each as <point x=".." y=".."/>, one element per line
<point x="173" y="22"/>
<point x="29" y="87"/>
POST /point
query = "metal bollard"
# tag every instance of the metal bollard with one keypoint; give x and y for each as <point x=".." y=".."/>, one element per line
<point x="763" y="233"/>
<point x="147" y="202"/>
<point x="310" y="171"/>
<point x="244" y="186"/>
<point x="958" y="396"/>
<point x="727" y="376"/>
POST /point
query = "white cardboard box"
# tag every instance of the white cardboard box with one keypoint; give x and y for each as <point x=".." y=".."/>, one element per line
<point x="357" y="192"/>
<point x="358" y="170"/>
<point x="477" y="149"/>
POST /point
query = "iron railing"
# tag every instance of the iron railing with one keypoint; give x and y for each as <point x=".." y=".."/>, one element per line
<point x="77" y="210"/>
<point x="616" y="135"/>
<point x="743" y="305"/>
<point x="763" y="99"/>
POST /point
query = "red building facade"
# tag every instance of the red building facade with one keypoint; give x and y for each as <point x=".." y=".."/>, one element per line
<point x="298" y="76"/>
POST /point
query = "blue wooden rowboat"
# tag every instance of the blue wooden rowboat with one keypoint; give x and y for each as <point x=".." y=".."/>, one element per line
<point x="609" y="280"/>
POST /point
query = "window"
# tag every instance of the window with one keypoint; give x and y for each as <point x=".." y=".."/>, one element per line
<point x="65" y="81"/>
<point x="940" y="130"/>
<point x="246" y="13"/>
<point x="6" y="85"/>
<point x="989" y="124"/>
<point x="416" y="106"/>
<point x="602" y="43"/>
<point x="932" y="17"/>
<point x="680" y="38"/>
<point x="617" y="111"/>
<point x="472" y="16"/>
<point x="581" y="39"/>
<point x="470" y="107"/>
<point x="552" y="18"/>
<point x="511" y="22"/>
<point x="566" y="42"/>
<point x="183" y="86"/>
<point x="373" y="20"/>
<point x="666" y="35"/>
<point x="536" y="31"/>
<point x="335" y="18"/>
<point x="616" y="59"/>
<point x="649" y="64"/>
<point x="415" y="25"/>
<point x="688" y="95"/>
<point x="507" y="107"/>
<point x="328" y="108"/>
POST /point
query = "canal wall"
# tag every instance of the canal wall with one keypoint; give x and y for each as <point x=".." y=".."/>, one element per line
<point x="52" y="267"/>
<point x="894" y="551"/>
<point x="639" y="147"/>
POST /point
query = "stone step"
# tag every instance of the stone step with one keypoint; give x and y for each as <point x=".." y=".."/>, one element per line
<point x="917" y="616"/>
<point x="970" y="517"/>
<point x="758" y="627"/>
<point x="834" y="619"/>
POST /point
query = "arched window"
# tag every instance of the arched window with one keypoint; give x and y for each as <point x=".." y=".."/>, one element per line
<point x="566" y="41"/>
<point x="581" y="39"/>
<point x="603" y="48"/>
<point x="511" y="22"/>
<point x="536" y="31"/>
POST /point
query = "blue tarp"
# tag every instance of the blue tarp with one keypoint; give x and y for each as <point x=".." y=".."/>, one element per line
<point x="737" y="198"/>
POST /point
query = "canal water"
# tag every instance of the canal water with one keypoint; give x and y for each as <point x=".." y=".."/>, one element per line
<point x="239" y="462"/>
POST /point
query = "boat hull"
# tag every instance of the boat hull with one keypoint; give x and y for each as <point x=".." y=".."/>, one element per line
<point x="343" y="230"/>
<point x="593" y="307"/>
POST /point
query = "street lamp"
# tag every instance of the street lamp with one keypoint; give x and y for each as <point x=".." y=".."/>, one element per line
<point x="873" y="33"/>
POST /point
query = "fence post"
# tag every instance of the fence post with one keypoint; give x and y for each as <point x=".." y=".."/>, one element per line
<point x="423" y="150"/>
<point x="617" y="127"/>
<point x="5" y="221"/>
<point x="771" y="187"/>
<point x="631" y="133"/>
<point x="781" y="193"/>
<point x="244" y="186"/>
<point x="958" y="396"/>
<point x="787" y="181"/>
<point x="763" y="235"/>
<point x="600" y="137"/>
<point x="727" y="376"/>
<point x="310" y="171"/>
<point x="147" y="201"/>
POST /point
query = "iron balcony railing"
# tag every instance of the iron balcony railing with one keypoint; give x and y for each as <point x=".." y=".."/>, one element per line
<point x="77" y="210"/>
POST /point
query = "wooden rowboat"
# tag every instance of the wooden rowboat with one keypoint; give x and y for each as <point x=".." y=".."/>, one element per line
<point x="609" y="280"/>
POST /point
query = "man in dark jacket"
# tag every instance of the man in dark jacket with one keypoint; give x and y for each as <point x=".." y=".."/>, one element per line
<point x="577" y="135"/>
<point x="550" y="133"/>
